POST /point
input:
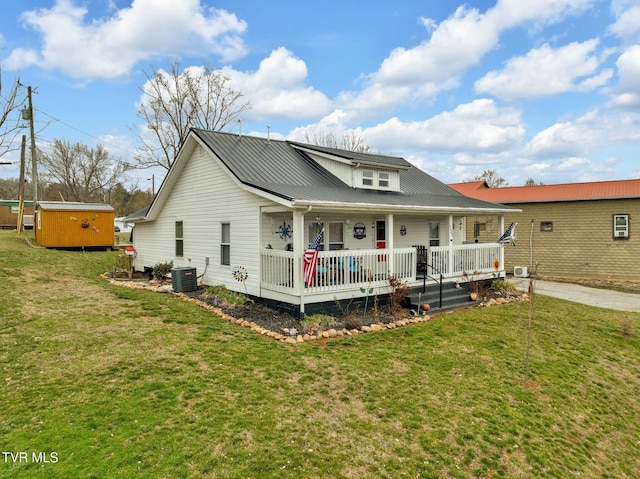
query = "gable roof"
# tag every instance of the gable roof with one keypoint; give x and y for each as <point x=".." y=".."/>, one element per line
<point x="284" y="171"/>
<point x="598" y="190"/>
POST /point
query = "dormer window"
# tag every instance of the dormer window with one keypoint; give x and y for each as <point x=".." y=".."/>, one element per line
<point x="383" y="179"/>
<point x="367" y="178"/>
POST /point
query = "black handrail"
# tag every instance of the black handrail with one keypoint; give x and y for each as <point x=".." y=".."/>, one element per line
<point x="426" y="274"/>
<point x="421" y="256"/>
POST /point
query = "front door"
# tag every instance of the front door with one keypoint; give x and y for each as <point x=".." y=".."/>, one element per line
<point x="381" y="234"/>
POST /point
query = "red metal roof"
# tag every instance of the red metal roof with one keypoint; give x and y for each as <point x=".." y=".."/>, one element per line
<point x="598" y="190"/>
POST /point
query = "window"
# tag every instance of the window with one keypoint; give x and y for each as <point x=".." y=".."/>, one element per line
<point x="225" y="244"/>
<point x="367" y="178"/>
<point x="621" y="226"/>
<point x="336" y="236"/>
<point x="383" y="179"/>
<point x="179" y="239"/>
<point x="434" y="233"/>
<point x="546" y="226"/>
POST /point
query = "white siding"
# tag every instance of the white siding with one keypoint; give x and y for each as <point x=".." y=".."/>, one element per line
<point x="203" y="198"/>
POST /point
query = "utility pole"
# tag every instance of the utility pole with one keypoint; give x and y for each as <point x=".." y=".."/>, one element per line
<point x="34" y="165"/>
<point x="20" y="224"/>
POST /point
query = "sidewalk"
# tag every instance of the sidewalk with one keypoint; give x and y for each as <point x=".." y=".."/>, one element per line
<point x="602" y="298"/>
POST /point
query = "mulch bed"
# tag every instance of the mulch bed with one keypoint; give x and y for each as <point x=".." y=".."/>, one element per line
<point x="277" y="321"/>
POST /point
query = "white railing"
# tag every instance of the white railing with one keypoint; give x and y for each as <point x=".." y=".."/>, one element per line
<point x="338" y="270"/>
<point x="354" y="269"/>
<point x="466" y="258"/>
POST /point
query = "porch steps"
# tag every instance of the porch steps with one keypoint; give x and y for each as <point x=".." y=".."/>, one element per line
<point x="452" y="297"/>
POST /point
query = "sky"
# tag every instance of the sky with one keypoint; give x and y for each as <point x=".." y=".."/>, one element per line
<point x="547" y="90"/>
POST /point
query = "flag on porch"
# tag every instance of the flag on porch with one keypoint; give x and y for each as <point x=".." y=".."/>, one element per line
<point x="509" y="236"/>
<point x="311" y="259"/>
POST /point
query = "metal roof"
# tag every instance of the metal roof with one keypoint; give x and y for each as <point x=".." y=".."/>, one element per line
<point x="597" y="190"/>
<point x="282" y="169"/>
<point x="73" y="206"/>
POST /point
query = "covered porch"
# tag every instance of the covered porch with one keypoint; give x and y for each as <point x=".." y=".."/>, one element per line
<point x="361" y="249"/>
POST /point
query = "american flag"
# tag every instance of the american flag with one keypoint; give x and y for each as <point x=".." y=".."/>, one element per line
<point x="311" y="259"/>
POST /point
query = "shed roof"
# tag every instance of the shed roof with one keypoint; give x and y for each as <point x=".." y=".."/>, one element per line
<point x="598" y="190"/>
<point x="73" y="206"/>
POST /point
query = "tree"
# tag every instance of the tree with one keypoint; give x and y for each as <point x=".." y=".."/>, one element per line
<point x="349" y="141"/>
<point x="491" y="178"/>
<point x="532" y="182"/>
<point x="175" y="101"/>
<point x="9" y="188"/>
<point x="81" y="173"/>
<point x="10" y="122"/>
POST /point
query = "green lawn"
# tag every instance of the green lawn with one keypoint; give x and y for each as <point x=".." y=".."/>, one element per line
<point x="104" y="381"/>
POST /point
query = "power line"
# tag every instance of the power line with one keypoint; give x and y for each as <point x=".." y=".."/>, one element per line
<point x="84" y="132"/>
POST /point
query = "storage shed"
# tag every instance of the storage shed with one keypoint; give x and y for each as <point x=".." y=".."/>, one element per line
<point x="64" y="224"/>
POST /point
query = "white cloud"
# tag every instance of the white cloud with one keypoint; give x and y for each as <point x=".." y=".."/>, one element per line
<point x="479" y="126"/>
<point x="459" y="42"/>
<point x="109" y="48"/>
<point x="579" y="137"/>
<point x="278" y="89"/>
<point x="627" y="24"/>
<point x="546" y="71"/>
<point x="627" y="93"/>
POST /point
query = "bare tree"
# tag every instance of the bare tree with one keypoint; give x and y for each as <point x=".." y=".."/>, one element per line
<point x="491" y="178"/>
<point x="11" y="102"/>
<point x="175" y="101"/>
<point x="349" y="141"/>
<point x="81" y="173"/>
<point x="532" y="182"/>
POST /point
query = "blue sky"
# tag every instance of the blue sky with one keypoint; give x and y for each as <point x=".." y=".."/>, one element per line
<point x="548" y="90"/>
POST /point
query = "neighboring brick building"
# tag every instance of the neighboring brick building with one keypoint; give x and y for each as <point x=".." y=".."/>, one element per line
<point x="580" y="230"/>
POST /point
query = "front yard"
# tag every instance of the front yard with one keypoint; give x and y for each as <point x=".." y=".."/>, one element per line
<point x="120" y="382"/>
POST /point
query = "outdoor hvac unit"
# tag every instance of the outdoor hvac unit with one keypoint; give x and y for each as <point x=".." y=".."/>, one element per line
<point x="184" y="279"/>
<point x="520" y="272"/>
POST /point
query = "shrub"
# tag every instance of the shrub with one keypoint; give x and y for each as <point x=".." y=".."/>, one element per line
<point x="231" y="297"/>
<point x="160" y="271"/>
<point x="317" y="322"/>
<point x="399" y="291"/>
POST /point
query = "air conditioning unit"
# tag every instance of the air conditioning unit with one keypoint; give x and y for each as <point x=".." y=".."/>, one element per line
<point x="184" y="279"/>
<point x="520" y="271"/>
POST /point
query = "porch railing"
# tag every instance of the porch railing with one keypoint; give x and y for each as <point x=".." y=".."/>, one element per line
<point x="353" y="269"/>
<point x="466" y="258"/>
<point x="338" y="270"/>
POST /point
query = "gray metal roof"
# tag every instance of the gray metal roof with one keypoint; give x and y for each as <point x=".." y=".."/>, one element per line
<point x="281" y="168"/>
<point x="73" y="206"/>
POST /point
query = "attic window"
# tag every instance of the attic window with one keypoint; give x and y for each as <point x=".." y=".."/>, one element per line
<point x="367" y="178"/>
<point x="383" y="179"/>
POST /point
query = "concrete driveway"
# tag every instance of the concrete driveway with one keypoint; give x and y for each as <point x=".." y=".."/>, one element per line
<point x="602" y="298"/>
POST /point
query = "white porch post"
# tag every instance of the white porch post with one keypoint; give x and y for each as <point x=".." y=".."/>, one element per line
<point x="298" y="252"/>
<point x="390" y="264"/>
<point x="500" y="231"/>
<point x="450" y="255"/>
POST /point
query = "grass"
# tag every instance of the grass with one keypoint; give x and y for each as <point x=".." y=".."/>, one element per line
<point x="128" y="383"/>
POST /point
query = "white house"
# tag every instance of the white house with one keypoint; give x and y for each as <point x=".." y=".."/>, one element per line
<point x="242" y="210"/>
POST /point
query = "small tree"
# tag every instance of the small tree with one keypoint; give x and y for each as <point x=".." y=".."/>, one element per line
<point x="399" y="291"/>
